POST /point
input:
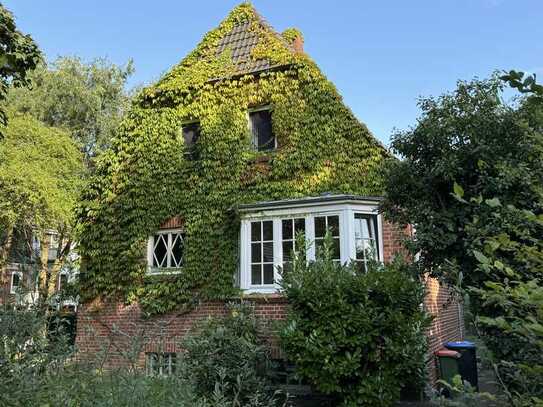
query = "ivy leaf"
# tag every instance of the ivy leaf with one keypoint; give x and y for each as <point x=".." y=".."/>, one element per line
<point x="493" y="203"/>
<point x="458" y="190"/>
<point x="481" y="258"/>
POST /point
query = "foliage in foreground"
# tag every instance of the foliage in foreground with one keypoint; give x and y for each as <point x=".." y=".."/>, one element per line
<point x="355" y="335"/>
<point x="471" y="180"/>
<point x="229" y="350"/>
<point x="40" y="370"/>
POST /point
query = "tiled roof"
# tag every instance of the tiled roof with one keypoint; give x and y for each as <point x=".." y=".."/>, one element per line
<point x="241" y="41"/>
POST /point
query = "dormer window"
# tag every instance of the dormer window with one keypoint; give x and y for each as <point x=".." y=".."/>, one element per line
<point x="191" y="134"/>
<point x="260" y="124"/>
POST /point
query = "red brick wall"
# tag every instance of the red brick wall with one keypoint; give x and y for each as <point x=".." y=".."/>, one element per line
<point x="114" y="329"/>
<point x="448" y="322"/>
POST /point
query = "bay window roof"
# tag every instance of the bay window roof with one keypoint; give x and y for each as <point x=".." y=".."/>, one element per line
<point x="309" y="201"/>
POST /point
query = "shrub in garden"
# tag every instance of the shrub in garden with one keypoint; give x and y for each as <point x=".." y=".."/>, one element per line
<point x="39" y="369"/>
<point x="356" y="335"/>
<point x="228" y="350"/>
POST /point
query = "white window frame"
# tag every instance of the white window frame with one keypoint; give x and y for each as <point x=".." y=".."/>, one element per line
<point x="250" y="127"/>
<point x="59" y="279"/>
<point x="150" y="253"/>
<point x="378" y="238"/>
<point x="346" y="213"/>
<point x="12" y="289"/>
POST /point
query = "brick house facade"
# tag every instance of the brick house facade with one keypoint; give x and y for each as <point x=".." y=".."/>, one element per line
<point x="274" y="196"/>
<point x="113" y="330"/>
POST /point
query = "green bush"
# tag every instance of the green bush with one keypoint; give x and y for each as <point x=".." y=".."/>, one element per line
<point x="227" y="350"/>
<point x="358" y="336"/>
<point x="39" y="369"/>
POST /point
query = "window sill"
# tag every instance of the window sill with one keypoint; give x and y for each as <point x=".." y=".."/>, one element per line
<point x="158" y="271"/>
<point x="262" y="290"/>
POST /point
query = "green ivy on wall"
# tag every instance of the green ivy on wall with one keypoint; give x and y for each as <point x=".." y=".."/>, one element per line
<point x="145" y="178"/>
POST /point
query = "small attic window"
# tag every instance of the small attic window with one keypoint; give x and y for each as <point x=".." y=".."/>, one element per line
<point x="260" y="124"/>
<point x="191" y="134"/>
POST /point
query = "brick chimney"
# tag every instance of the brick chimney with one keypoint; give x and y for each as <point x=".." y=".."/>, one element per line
<point x="295" y="38"/>
<point x="298" y="44"/>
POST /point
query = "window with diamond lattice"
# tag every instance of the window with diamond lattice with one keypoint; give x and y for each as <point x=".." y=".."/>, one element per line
<point x="167" y="249"/>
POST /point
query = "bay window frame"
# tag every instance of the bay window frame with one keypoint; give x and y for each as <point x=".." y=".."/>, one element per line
<point x="346" y="212"/>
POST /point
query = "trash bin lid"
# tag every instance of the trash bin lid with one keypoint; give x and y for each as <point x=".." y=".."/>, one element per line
<point x="446" y="353"/>
<point x="460" y="345"/>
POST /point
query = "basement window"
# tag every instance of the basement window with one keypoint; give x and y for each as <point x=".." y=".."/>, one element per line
<point x="260" y="124"/>
<point x="165" y="251"/>
<point x="160" y="363"/>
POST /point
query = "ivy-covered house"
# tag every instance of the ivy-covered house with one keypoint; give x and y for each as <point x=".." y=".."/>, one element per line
<point x="216" y="167"/>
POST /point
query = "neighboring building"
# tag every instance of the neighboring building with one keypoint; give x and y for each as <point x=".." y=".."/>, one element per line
<point x="220" y="163"/>
<point x="20" y="275"/>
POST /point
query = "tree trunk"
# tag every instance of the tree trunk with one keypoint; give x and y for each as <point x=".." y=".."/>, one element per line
<point x="5" y="248"/>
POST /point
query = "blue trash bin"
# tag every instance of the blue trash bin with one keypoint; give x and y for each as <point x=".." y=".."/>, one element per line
<point x="467" y="364"/>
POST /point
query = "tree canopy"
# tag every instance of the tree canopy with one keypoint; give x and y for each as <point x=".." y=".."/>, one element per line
<point x="471" y="181"/>
<point x="19" y="54"/>
<point x="40" y="175"/>
<point x="86" y="99"/>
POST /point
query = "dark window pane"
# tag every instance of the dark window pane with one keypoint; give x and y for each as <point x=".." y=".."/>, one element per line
<point x="256" y="275"/>
<point x="299" y="225"/>
<point x="177" y="250"/>
<point x="255" y="232"/>
<point x="16" y="280"/>
<point x="268" y="273"/>
<point x="360" y="249"/>
<point x="320" y="226"/>
<point x="333" y="225"/>
<point x="261" y="126"/>
<point x="319" y="244"/>
<point x="336" y="254"/>
<point x="287" y="251"/>
<point x="268" y="230"/>
<point x="160" y="251"/>
<point x="256" y="256"/>
<point x="63" y="281"/>
<point x="268" y="252"/>
<point x="287" y="228"/>
<point x="191" y="133"/>
<point x="152" y="363"/>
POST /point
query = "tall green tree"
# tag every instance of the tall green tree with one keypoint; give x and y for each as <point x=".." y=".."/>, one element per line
<point x="86" y="99"/>
<point x="471" y="181"/>
<point x="19" y="55"/>
<point x="41" y="175"/>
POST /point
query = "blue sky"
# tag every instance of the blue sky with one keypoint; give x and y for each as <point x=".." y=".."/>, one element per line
<point x="382" y="55"/>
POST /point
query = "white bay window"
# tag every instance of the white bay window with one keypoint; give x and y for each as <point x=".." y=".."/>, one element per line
<point x="269" y="229"/>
